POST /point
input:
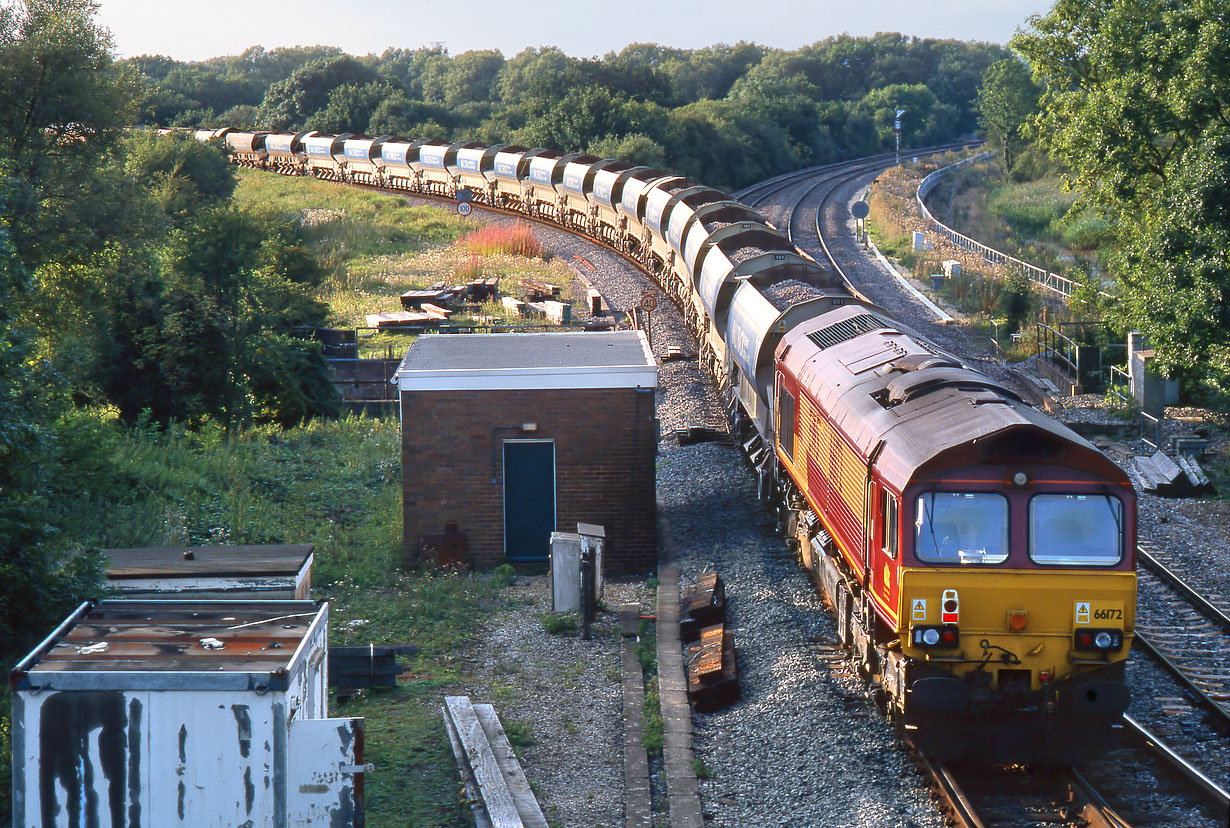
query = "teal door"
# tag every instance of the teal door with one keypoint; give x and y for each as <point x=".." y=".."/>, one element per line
<point x="529" y="500"/>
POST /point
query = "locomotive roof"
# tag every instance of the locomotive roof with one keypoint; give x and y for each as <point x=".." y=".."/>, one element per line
<point x="878" y="383"/>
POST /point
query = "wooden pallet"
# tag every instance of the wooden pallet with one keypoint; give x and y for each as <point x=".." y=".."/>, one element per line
<point x="499" y="793"/>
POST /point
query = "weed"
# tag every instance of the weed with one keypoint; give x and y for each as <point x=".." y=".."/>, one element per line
<point x="469" y="270"/>
<point x="559" y="623"/>
<point x="520" y="734"/>
<point x="503" y="575"/>
<point x="573" y="673"/>
<point x="701" y="769"/>
<point x="647" y="648"/>
<point x="652" y="733"/>
<point x="570" y="727"/>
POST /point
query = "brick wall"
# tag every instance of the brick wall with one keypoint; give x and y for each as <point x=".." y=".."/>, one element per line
<point x="605" y="452"/>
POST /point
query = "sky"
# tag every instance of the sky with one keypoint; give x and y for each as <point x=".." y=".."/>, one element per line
<point x="198" y="29"/>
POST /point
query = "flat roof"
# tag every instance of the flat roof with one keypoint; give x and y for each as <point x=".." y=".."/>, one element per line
<point x="456" y="362"/>
<point x="215" y="561"/>
<point x="116" y="636"/>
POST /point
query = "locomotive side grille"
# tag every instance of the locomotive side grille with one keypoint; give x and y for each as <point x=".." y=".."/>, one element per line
<point x="846" y="329"/>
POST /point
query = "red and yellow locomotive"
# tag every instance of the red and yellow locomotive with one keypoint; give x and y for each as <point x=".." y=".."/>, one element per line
<point x="979" y="554"/>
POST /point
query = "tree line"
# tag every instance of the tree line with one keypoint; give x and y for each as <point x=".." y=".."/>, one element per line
<point x="130" y="282"/>
<point x="1131" y="100"/>
<point x="727" y="115"/>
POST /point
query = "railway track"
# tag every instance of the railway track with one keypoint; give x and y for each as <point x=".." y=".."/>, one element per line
<point x="1018" y="797"/>
<point x="1150" y="784"/>
<point x="1185" y="632"/>
<point x="1166" y="770"/>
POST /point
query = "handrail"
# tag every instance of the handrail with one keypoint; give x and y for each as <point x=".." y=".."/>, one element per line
<point x="1051" y="281"/>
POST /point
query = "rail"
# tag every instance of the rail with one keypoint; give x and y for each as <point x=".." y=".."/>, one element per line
<point x="1039" y="276"/>
<point x="1210" y="788"/>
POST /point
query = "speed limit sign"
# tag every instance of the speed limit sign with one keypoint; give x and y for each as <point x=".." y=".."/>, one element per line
<point x="649" y="302"/>
<point x="464" y="208"/>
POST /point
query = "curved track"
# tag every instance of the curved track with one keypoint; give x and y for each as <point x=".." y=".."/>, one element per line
<point x="1189" y="635"/>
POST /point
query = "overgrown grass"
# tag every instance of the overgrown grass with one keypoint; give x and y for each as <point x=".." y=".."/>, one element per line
<point x="335" y="484"/>
<point x="1035" y="208"/>
<point x="517" y="239"/>
<point x="559" y="623"/>
<point x="374" y="247"/>
<point x="652" y="731"/>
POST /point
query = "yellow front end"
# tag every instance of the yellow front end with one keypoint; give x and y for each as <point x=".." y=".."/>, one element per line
<point x="1016" y="620"/>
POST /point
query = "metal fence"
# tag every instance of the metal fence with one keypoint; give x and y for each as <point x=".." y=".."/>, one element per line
<point x="1083" y="364"/>
<point x="1044" y="278"/>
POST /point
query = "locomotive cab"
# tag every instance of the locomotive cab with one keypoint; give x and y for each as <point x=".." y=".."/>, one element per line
<point x="1014" y="602"/>
<point x="979" y="555"/>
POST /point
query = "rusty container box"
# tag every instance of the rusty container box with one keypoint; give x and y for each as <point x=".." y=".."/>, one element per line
<point x="183" y="713"/>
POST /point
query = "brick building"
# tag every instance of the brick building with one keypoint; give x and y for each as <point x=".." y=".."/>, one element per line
<point x="509" y="437"/>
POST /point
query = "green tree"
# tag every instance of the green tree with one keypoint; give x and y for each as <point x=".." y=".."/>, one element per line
<point x="37" y="582"/>
<point x="926" y="120"/>
<point x="350" y="108"/>
<point x="470" y="77"/>
<point x="288" y="104"/>
<point x="1135" y="108"/>
<point x="1007" y="100"/>
<point x="182" y="174"/>
<point x="710" y="72"/>
<point x="1174" y="263"/>
<point x="231" y="306"/>
<point x="636" y="148"/>
<point x="63" y="105"/>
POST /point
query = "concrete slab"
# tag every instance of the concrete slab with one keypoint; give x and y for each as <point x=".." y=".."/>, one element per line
<point x="682" y="798"/>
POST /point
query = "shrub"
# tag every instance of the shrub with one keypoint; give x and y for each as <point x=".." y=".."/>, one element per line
<point x="503" y="574"/>
<point x="516" y="239"/>
<point x="558" y="623"/>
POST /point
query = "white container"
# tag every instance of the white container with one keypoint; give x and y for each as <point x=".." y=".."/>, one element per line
<point x="183" y="713"/>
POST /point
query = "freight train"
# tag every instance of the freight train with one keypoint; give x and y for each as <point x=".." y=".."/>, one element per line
<point x="978" y="555"/>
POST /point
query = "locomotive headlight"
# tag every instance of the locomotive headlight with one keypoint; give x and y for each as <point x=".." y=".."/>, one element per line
<point x="1020" y="479"/>
<point x="945" y="636"/>
<point x="1097" y="640"/>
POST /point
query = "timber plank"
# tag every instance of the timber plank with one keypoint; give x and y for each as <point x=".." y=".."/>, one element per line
<point x="474" y="796"/>
<point x="482" y="763"/>
<point x="527" y="805"/>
